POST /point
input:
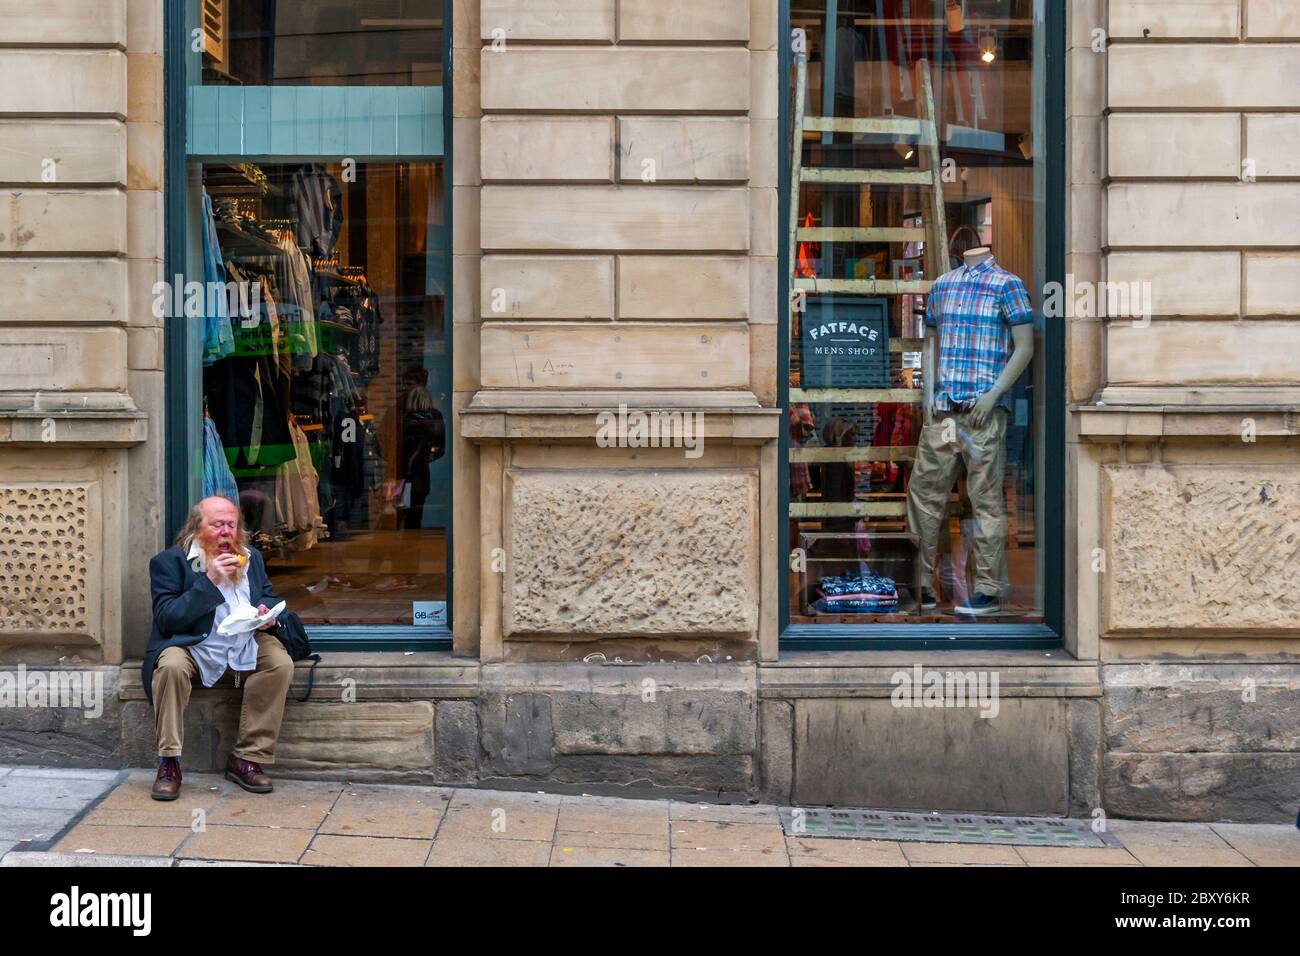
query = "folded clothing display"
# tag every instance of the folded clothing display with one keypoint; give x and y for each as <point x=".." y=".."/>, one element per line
<point x="857" y="594"/>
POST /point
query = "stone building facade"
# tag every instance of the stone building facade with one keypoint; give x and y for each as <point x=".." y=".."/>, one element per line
<point x="638" y="648"/>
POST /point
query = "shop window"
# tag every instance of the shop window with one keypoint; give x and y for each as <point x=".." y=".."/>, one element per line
<point x="314" y="387"/>
<point x="922" y="452"/>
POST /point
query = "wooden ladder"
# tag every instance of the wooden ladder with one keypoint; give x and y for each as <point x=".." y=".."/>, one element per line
<point x="933" y="233"/>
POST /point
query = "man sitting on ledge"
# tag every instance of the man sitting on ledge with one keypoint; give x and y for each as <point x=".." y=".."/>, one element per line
<point x="196" y="584"/>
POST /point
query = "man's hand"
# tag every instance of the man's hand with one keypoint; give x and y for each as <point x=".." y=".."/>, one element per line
<point x="262" y="609"/>
<point x="222" y="568"/>
<point x="984" y="406"/>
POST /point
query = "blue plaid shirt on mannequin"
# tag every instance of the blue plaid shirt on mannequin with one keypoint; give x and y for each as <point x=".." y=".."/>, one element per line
<point x="974" y="308"/>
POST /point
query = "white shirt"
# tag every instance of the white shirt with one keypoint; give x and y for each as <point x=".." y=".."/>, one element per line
<point x="217" y="651"/>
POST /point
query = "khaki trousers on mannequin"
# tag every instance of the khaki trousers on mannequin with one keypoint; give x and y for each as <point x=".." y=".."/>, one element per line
<point x="983" y="451"/>
<point x="260" y="715"/>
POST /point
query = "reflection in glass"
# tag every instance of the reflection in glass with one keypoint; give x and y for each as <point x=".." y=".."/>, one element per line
<point x="919" y="154"/>
<point x="324" y="386"/>
<point x="322" y="42"/>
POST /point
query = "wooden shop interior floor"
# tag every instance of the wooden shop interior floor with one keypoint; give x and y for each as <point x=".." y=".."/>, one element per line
<point x="371" y="577"/>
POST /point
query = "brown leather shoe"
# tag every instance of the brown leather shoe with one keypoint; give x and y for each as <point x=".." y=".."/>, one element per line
<point x="248" y="775"/>
<point x="167" y="785"/>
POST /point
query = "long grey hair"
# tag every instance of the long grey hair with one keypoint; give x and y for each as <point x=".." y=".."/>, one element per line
<point x="195" y="518"/>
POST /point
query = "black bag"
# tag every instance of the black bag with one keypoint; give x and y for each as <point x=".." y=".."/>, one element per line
<point x="293" y="636"/>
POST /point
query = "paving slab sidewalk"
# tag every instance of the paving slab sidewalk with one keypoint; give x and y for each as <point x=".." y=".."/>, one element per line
<point x="106" y="818"/>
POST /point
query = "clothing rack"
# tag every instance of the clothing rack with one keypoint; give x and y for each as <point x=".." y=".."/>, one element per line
<point x="248" y="245"/>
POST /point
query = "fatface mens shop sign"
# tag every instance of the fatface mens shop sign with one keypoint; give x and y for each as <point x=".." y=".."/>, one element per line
<point x="845" y="343"/>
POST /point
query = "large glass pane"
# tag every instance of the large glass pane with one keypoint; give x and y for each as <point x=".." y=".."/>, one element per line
<point x="322" y="42"/>
<point x="912" y="471"/>
<point x="326" y="397"/>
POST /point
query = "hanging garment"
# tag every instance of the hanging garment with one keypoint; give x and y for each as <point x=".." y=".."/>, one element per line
<point x="319" y="199"/>
<point x="217" y="478"/>
<point x="293" y="283"/>
<point x="260" y="332"/>
<point x="218" y="339"/>
<point x="297" y="504"/>
<point x="246" y="402"/>
<point x="802" y="428"/>
<point x="355" y="306"/>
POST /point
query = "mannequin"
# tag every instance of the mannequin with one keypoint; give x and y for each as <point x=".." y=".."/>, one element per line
<point x="979" y="339"/>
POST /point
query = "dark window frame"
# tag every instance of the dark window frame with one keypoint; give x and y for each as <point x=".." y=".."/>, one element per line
<point x="1047" y="635"/>
<point x="181" y="443"/>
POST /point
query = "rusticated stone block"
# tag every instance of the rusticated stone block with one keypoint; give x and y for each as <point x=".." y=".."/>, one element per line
<point x="614" y="79"/>
<point x="1174" y="145"/>
<point x="518" y="736"/>
<point x="683" y="149"/>
<point x="636" y="218"/>
<point x="657" y="712"/>
<point x="869" y="753"/>
<point x="1273" y="283"/>
<point x="61" y="736"/>
<point x="83" y="82"/>
<point x="61" y="221"/>
<point x="82" y="151"/>
<point x="668" y="21"/>
<point x="1167" y="19"/>
<point x="776" y="752"/>
<point x="1085" y="756"/>
<point x="1202" y="547"/>
<point x="555" y="148"/>
<point x="516" y="355"/>
<point x="1214" y="708"/>
<point x="1272" y="19"/>
<point x="684" y="727"/>
<point x="1182" y="283"/>
<point x="55" y="359"/>
<point x="200" y="751"/>
<point x="683" y="287"/>
<point x="632" y="554"/>
<point x="1210" y="214"/>
<point x="1273" y="141"/>
<point x="390" y="736"/>
<point x="455" y="741"/>
<point x="1209" y="75"/>
<point x="1195" y="352"/>
<point x="63" y="22"/>
<point x="587" y="20"/>
<point x="1241" y="787"/>
<point x="93" y="291"/>
<point x="547" y="287"/>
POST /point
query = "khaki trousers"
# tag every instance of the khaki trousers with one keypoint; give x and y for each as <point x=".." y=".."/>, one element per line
<point x="260" y="715"/>
<point x="948" y="442"/>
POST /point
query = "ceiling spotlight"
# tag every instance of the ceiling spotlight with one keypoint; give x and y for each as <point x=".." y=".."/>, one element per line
<point x="904" y="150"/>
<point x="1026" y="144"/>
<point x="988" y="44"/>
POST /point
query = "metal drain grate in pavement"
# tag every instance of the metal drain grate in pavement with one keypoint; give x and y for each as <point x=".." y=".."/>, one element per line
<point x="941" y="827"/>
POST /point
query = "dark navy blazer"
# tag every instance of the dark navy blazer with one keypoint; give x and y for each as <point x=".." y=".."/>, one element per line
<point x="185" y="603"/>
